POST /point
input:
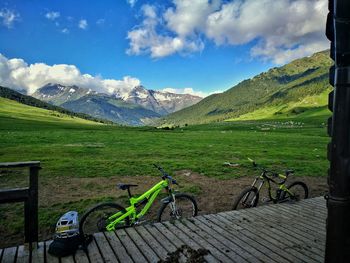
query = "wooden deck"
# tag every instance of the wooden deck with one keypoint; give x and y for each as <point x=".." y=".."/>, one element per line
<point x="274" y="233"/>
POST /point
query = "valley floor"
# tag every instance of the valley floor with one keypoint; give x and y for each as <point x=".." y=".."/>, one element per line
<point x="82" y="163"/>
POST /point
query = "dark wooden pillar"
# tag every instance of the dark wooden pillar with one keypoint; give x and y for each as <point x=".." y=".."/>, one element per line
<point x="338" y="199"/>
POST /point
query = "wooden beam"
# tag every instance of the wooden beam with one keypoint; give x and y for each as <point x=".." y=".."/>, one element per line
<point x="20" y="164"/>
<point x="14" y="195"/>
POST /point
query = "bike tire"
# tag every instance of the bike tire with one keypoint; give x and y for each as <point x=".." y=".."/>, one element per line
<point x="180" y="198"/>
<point x="303" y="190"/>
<point x="87" y="224"/>
<point x="240" y="198"/>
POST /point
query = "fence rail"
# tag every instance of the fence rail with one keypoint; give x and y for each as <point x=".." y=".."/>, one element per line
<point x="28" y="195"/>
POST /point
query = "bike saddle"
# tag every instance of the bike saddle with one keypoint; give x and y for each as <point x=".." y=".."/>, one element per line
<point x="289" y="172"/>
<point x="126" y="186"/>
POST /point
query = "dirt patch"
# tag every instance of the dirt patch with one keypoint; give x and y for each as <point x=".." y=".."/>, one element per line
<point x="212" y="195"/>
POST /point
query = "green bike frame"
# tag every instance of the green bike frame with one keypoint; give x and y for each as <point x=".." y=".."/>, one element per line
<point x="131" y="212"/>
<point x="281" y="186"/>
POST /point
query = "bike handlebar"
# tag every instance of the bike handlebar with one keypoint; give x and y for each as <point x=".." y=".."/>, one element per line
<point x="274" y="174"/>
<point x="165" y="174"/>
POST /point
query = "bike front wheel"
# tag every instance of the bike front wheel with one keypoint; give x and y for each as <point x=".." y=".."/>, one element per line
<point x="249" y="197"/>
<point x="184" y="206"/>
<point x="297" y="191"/>
<point x="99" y="217"/>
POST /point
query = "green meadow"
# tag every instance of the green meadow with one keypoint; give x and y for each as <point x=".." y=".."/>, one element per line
<point x="71" y="148"/>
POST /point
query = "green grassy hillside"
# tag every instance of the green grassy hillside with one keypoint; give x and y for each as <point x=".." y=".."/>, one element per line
<point x="298" y="86"/>
<point x="30" y="101"/>
<point x="13" y="113"/>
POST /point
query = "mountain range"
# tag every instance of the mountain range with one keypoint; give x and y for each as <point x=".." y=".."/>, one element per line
<point x="285" y="91"/>
<point x="136" y="106"/>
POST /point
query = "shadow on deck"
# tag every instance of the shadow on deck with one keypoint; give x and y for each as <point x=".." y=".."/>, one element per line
<point x="274" y="233"/>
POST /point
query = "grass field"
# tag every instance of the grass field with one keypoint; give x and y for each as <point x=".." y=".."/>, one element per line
<point x="75" y="154"/>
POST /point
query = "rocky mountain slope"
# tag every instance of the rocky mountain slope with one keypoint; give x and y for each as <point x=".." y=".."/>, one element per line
<point x="136" y="106"/>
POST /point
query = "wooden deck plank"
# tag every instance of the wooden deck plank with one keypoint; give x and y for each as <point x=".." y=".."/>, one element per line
<point x="305" y="227"/>
<point x="211" y="237"/>
<point x="166" y="241"/>
<point x="118" y="247"/>
<point x="81" y="257"/>
<point x="273" y="241"/>
<point x="308" y="219"/>
<point x="147" y="250"/>
<point x="302" y="213"/>
<point x="283" y="228"/>
<point x="306" y="207"/>
<point x="93" y="252"/>
<point x="285" y="233"/>
<point x="266" y="230"/>
<point x="68" y="259"/>
<point x="104" y="247"/>
<point x="287" y="215"/>
<point x="250" y="239"/>
<point x="320" y="203"/>
<point x="228" y="241"/>
<point x="38" y="254"/>
<point x="48" y="256"/>
<point x="286" y="227"/>
<point x="133" y="251"/>
<point x="316" y="212"/>
<point x="23" y="254"/>
<point x="153" y="243"/>
<point x="236" y="236"/>
<point x="196" y="242"/>
<point x="9" y="255"/>
<point x="185" y="240"/>
<point x="301" y="225"/>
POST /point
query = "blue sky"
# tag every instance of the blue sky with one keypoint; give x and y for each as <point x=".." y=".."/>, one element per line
<point x="204" y="45"/>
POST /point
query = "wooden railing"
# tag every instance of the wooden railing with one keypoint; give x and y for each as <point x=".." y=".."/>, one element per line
<point x="28" y="195"/>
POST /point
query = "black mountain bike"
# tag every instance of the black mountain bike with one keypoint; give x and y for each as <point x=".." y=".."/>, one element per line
<point x="249" y="197"/>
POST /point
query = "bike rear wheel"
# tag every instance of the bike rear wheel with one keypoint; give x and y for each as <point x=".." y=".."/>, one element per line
<point x="298" y="191"/>
<point x="97" y="218"/>
<point x="249" y="197"/>
<point x="185" y="207"/>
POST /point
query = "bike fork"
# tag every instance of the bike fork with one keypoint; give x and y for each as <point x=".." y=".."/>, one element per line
<point x="261" y="184"/>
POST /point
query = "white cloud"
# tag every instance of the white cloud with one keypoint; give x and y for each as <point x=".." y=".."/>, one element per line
<point x="17" y="74"/>
<point x="283" y="30"/>
<point x="65" y="31"/>
<point x="131" y="2"/>
<point x="83" y="24"/>
<point x="189" y="91"/>
<point x="8" y="17"/>
<point x="100" y="22"/>
<point x="145" y="39"/>
<point x="52" y="15"/>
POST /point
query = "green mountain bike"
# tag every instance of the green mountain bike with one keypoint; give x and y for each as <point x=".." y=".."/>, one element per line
<point x="249" y="197"/>
<point x="112" y="216"/>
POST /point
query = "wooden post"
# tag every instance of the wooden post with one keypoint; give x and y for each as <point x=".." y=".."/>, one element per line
<point x="29" y="196"/>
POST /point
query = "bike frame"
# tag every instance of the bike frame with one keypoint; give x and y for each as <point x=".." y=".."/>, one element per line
<point x="264" y="178"/>
<point x="131" y="211"/>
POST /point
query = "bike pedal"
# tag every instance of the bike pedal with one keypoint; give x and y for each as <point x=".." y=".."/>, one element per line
<point x="266" y="200"/>
<point x="141" y="222"/>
